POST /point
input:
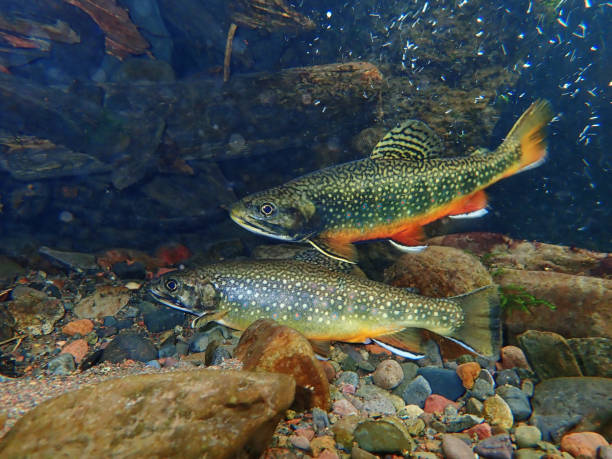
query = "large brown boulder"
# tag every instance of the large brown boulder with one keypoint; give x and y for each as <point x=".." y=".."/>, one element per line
<point x="203" y="413"/>
<point x="268" y="346"/>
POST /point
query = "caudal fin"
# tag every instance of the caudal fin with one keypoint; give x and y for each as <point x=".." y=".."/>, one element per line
<point x="529" y="136"/>
<point x="481" y="328"/>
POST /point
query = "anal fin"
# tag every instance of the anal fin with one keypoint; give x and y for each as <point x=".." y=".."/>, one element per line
<point x="338" y="250"/>
<point x="470" y="204"/>
<point x="410" y="236"/>
<point x="321" y="347"/>
<point x="403" y="343"/>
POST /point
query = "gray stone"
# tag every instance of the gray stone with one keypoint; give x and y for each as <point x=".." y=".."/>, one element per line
<point x="379" y="406"/>
<point x="482" y="389"/>
<point x="594" y="355"/>
<point x="461" y="422"/>
<point x="455" y="448"/>
<point x="410" y="370"/>
<point x="347" y="377"/>
<point x="443" y="382"/>
<point x="604" y="452"/>
<point x="129" y="346"/>
<point x="319" y="419"/>
<point x="563" y="402"/>
<point x="495" y="447"/>
<point x="529" y="453"/>
<point x="528" y="387"/>
<point x="199" y="343"/>
<point x="388" y="374"/>
<point x="517" y="400"/>
<point x="474" y="406"/>
<point x="414" y="392"/>
<point x="507" y="377"/>
<point x="549" y="354"/>
<point x="63" y="364"/>
<point x="527" y="436"/>
<point x="220" y="354"/>
<point x="386" y="435"/>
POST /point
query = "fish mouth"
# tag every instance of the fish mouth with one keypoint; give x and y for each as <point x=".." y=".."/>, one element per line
<point x="255" y="227"/>
<point x="172" y="302"/>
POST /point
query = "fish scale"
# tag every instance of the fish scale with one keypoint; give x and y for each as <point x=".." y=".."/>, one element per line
<point x="330" y="305"/>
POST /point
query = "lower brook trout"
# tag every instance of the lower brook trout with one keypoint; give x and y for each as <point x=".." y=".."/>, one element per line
<point x="402" y="186"/>
<point x="327" y="305"/>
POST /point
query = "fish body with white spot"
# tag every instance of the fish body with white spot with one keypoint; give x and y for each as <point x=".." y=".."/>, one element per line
<point x="405" y="184"/>
<point x="329" y="305"/>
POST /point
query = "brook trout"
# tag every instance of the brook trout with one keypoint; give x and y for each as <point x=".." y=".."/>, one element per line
<point x="329" y="305"/>
<point x="403" y="185"/>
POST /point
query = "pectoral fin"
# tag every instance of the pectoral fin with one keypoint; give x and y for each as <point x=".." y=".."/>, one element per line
<point x="338" y="250"/>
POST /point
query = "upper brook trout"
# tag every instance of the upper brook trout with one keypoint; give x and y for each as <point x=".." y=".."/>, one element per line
<point x="403" y="185"/>
<point x="329" y="305"/>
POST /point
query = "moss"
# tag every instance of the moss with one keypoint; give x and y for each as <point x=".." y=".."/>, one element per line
<point x="516" y="297"/>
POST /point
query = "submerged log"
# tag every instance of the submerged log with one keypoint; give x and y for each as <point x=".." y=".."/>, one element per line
<point x="131" y="125"/>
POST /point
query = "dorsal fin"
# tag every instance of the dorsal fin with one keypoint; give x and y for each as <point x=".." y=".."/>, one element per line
<point x="412" y="140"/>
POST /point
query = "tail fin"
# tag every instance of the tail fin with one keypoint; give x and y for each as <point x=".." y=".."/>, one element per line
<point x="481" y="329"/>
<point x="529" y="135"/>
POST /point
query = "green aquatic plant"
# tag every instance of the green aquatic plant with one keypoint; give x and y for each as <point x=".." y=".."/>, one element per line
<point x="517" y="297"/>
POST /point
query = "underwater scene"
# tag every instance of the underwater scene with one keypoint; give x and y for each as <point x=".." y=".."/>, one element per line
<point x="306" y="229"/>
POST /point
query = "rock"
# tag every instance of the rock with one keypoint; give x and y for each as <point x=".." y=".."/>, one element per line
<point x="63" y="365"/>
<point x="385" y="435"/>
<point x="468" y="372"/>
<point x="77" y="348"/>
<point x="410" y="370"/>
<point x="604" y="452"/>
<point x="343" y="407"/>
<point x="7" y="325"/>
<point x="9" y="269"/>
<point x="583" y="444"/>
<point x="414" y="392"/>
<point x="329" y="370"/>
<point x="583" y="304"/>
<point x="319" y="444"/>
<point x="358" y="453"/>
<point x="105" y="301"/>
<point x="481" y="431"/>
<point x="388" y="374"/>
<point x="443" y="382"/>
<point x="436" y="404"/>
<point x="320" y="419"/>
<point x="347" y="377"/>
<point x="267" y="346"/>
<point x="495" y="447"/>
<point x="129" y="346"/>
<point x="343" y="431"/>
<point x="162" y="319"/>
<point x="411" y="411"/>
<point x="498" y="413"/>
<point x="300" y="442"/>
<point x="527" y="436"/>
<point x="567" y="401"/>
<point x="507" y="377"/>
<point x="188" y="414"/>
<point x="528" y="387"/>
<point x="549" y="354"/>
<point x="529" y="453"/>
<point x="513" y="357"/>
<point x="482" y="389"/>
<point x="459" y="423"/>
<point x="474" y="406"/>
<point x="594" y="355"/>
<point x="379" y="406"/>
<point x="517" y="400"/>
<point x="125" y="270"/>
<point x="33" y="312"/>
<point x="198" y="342"/>
<point x="454" y="447"/>
<point x="78" y="262"/>
<point x="439" y="272"/>
<point x="81" y="326"/>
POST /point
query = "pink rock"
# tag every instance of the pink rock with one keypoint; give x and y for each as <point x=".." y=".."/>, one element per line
<point x="306" y="432"/>
<point x="81" y="326"/>
<point x="482" y="431"/>
<point x="328" y="454"/>
<point x="77" y="348"/>
<point x="436" y="403"/>
<point x="348" y="389"/>
<point x="513" y="357"/>
<point x="300" y="442"/>
<point x="583" y="444"/>
<point x="344" y="408"/>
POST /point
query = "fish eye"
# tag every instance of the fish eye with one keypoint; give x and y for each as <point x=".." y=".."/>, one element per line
<point x="171" y="285"/>
<point x="267" y="209"/>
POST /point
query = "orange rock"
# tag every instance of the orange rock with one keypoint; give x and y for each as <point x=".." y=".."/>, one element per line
<point x="319" y="444"/>
<point x="583" y="444"/>
<point x="268" y="346"/>
<point x="77" y="348"/>
<point x="329" y="370"/>
<point x="436" y="403"/>
<point x="468" y="372"/>
<point x="81" y="326"/>
<point x="513" y="357"/>
<point x="482" y="431"/>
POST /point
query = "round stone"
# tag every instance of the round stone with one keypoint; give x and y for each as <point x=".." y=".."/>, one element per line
<point x="388" y="374"/>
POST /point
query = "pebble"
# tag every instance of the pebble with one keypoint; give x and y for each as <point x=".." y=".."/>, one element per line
<point x="604" y="452"/>
<point x="126" y="270"/>
<point x="468" y="372"/>
<point x="482" y="389"/>
<point x="306" y="432"/>
<point x="300" y="442"/>
<point x="379" y="406"/>
<point x="459" y="423"/>
<point x="199" y="342"/>
<point x="343" y="407"/>
<point x="498" y="413"/>
<point x="77" y="348"/>
<point x="410" y="370"/>
<point x="529" y="453"/>
<point x="481" y="431"/>
<point x="549" y="354"/>
<point x="513" y="357"/>
<point x="322" y="443"/>
<point x="436" y="404"/>
<point x="329" y="370"/>
<point x="386" y="435"/>
<point x="517" y="400"/>
<point x="358" y="453"/>
<point x="388" y="374"/>
<point x="154" y="364"/>
<point x="527" y="436"/>
<point x="454" y="447"/>
<point x="132" y="285"/>
<point x="63" y="364"/>
<point x="583" y="444"/>
<point x="411" y="411"/>
<point x="474" y="406"/>
<point x="528" y="387"/>
<point x="495" y="447"/>
<point x="320" y="419"/>
<point x="507" y="377"/>
<point x="162" y="319"/>
<point x="328" y="454"/>
<point x="347" y="377"/>
<point x="129" y="346"/>
<point x="81" y="327"/>
<point x="443" y="382"/>
<point x="414" y="392"/>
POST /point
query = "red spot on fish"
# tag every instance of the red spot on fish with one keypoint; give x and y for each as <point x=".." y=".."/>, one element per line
<point x="171" y="254"/>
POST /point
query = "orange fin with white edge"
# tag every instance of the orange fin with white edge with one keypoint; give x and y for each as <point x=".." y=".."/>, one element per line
<point x="410" y="236"/>
<point x="472" y="206"/>
<point x="529" y="135"/>
<point x="403" y="343"/>
<point x="338" y="250"/>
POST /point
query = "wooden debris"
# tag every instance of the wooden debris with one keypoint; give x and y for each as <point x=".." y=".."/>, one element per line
<point x="270" y="15"/>
<point x="228" y="51"/>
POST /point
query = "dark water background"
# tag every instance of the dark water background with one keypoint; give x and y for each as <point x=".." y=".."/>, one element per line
<point x="147" y="194"/>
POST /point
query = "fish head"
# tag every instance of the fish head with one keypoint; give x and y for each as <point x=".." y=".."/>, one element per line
<point x="277" y="213"/>
<point x="187" y="292"/>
